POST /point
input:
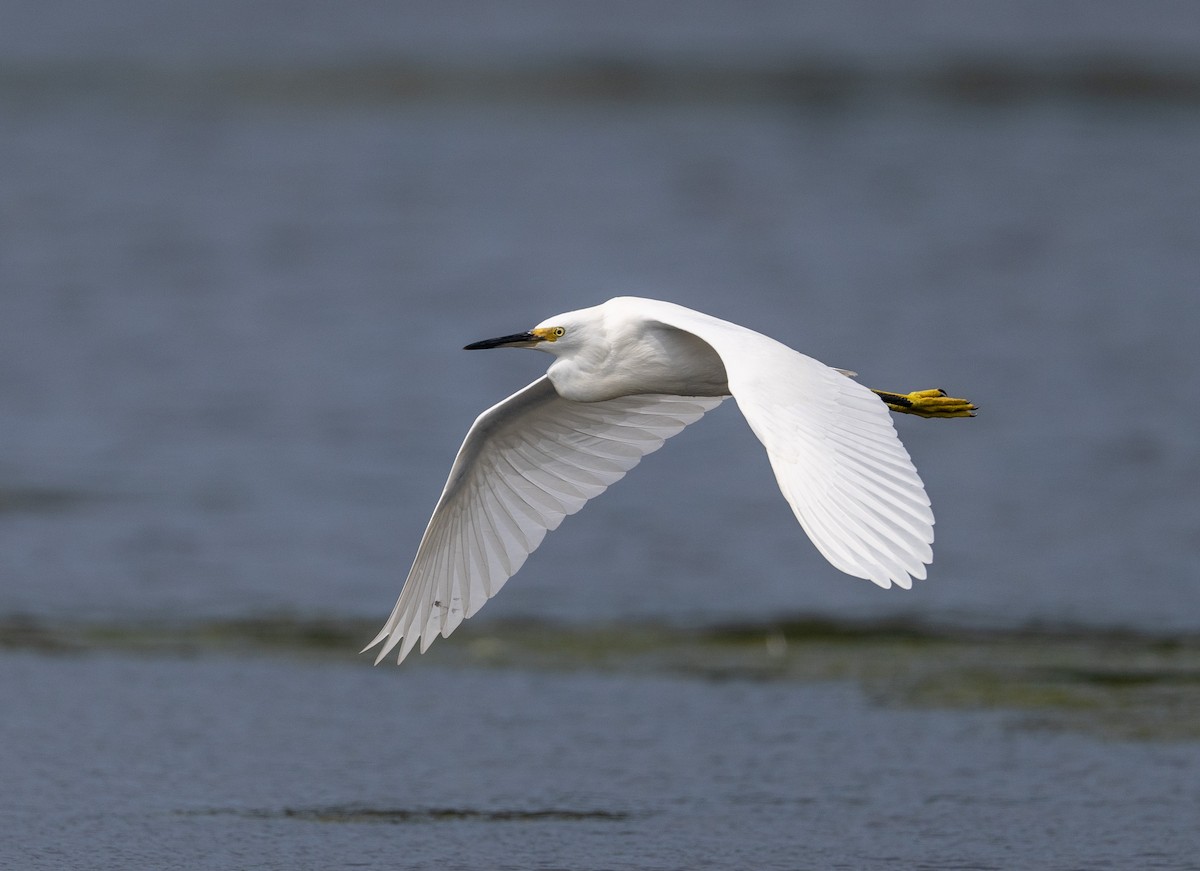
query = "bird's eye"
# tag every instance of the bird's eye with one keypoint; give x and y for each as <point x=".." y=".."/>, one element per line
<point x="558" y="332"/>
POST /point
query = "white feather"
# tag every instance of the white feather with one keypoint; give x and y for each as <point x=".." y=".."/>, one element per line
<point x="630" y="374"/>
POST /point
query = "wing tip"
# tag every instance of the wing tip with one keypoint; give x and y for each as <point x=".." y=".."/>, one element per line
<point x="389" y="646"/>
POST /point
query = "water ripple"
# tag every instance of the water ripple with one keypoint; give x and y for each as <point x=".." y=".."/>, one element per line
<point x="801" y="81"/>
<point x="396" y="816"/>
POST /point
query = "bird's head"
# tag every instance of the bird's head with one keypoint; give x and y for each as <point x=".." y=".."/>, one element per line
<point x="553" y="336"/>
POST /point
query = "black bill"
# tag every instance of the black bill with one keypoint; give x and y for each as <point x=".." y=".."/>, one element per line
<point x="517" y="339"/>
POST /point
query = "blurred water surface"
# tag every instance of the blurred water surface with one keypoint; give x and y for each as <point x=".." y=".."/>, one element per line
<point x="240" y="245"/>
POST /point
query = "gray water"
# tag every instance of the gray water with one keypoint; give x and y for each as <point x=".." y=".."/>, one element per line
<point x="240" y="245"/>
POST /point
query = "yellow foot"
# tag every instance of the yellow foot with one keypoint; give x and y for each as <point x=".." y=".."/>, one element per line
<point x="927" y="403"/>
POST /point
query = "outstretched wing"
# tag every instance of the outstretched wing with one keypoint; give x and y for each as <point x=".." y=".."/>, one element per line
<point x="526" y="463"/>
<point x="833" y="448"/>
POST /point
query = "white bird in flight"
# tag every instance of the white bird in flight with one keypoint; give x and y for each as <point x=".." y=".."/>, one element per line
<point x="628" y="375"/>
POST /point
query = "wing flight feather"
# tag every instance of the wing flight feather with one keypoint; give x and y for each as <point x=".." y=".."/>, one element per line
<point x="832" y="446"/>
<point x="526" y="463"/>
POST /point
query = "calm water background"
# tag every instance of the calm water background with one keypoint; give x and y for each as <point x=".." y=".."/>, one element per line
<point x="240" y="245"/>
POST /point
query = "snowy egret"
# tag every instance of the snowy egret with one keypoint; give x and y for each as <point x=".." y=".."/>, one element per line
<point x="628" y="375"/>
